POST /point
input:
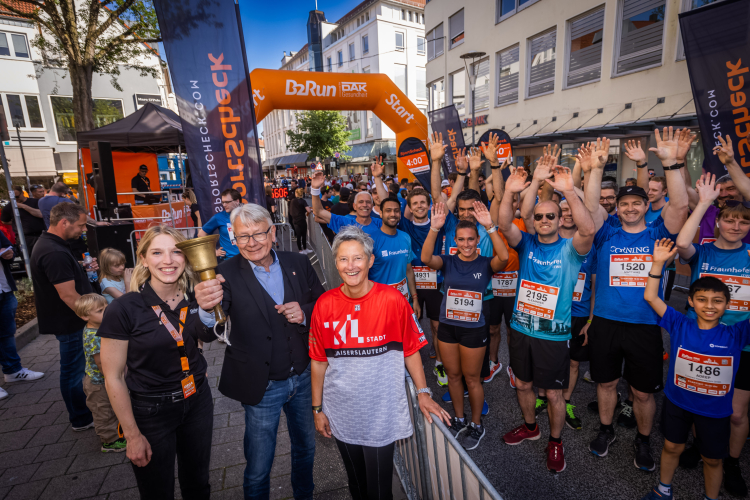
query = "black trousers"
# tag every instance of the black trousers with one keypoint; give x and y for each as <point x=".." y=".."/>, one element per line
<point x="370" y="470"/>
<point x="300" y="230"/>
<point x="183" y="429"/>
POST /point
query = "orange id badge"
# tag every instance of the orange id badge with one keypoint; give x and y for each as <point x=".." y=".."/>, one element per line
<point x="188" y="386"/>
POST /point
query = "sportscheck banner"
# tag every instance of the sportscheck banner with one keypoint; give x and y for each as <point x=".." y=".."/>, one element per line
<point x="414" y="155"/>
<point x="504" y="148"/>
<point x="446" y="121"/>
<point x="205" y="54"/>
<point x="717" y="48"/>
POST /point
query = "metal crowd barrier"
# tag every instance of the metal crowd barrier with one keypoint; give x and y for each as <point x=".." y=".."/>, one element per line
<point x="284" y="237"/>
<point x="282" y="210"/>
<point x="432" y="465"/>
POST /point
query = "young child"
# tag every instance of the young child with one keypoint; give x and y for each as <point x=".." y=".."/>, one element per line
<point x="90" y="307"/>
<point x="113" y="277"/>
<point x="703" y="363"/>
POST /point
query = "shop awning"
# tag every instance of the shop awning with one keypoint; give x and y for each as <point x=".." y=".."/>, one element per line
<point x="295" y="159"/>
<point x="365" y="152"/>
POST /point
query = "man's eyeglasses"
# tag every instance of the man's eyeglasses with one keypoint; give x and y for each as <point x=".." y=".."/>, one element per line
<point x="607" y="198"/>
<point x="244" y="239"/>
<point x="734" y="203"/>
<point x="538" y="217"/>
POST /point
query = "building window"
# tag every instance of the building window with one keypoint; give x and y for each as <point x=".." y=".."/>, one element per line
<point x="481" y="71"/>
<point x="351" y="51"/>
<point x="639" y="45"/>
<point x="367" y="16"/>
<point x="456" y="23"/>
<point x="24" y="111"/>
<point x="370" y="123"/>
<point x="399" y="41"/>
<point x="507" y="77"/>
<point x="329" y="63"/>
<point x="357" y="22"/>
<point x="403" y="15"/>
<point x="585" y="57"/>
<point x="400" y="79"/>
<point x="542" y="64"/>
<point x="507" y="8"/>
<point x="437" y="95"/>
<point x="411" y="19"/>
<point x="106" y="111"/>
<point x="420" y="45"/>
<point x="421" y="83"/>
<point x="690" y="5"/>
<point x="435" y="42"/>
<point x="366" y="70"/>
<point x="20" y="47"/>
<point x="340" y="58"/>
<point x="365" y="45"/>
<point x="458" y="90"/>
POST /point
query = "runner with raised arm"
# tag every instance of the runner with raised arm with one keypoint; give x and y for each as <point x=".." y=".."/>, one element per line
<point x="362" y="205"/>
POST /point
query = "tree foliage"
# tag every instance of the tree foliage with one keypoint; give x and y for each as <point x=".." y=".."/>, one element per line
<point x="319" y="134"/>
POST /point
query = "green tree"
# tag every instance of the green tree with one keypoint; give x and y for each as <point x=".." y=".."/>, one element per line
<point x="319" y="134"/>
<point x="91" y="36"/>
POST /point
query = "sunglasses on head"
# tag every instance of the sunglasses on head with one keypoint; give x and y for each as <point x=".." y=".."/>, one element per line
<point x="538" y="217"/>
<point x="36" y="186"/>
<point x="734" y="203"/>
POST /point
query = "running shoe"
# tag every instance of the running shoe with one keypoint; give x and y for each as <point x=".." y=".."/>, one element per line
<point x="439" y="372"/>
<point x="600" y="445"/>
<point x="655" y="494"/>
<point x="521" y="434"/>
<point x="570" y="418"/>
<point x="494" y="370"/>
<point x="643" y="459"/>
<point x="84" y="427"/>
<point x="447" y="396"/>
<point x="511" y="377"/>
<point x="3" y="393"/>
<point x="475" y="434"/>
<point x="734" y="484"/>
<point x="115" y="446"/>
<point x="555" y="457"/>
<point x="587" y="377"/>
<point x="485" y="408"/>
<point x="23" y="375"/>
<point x="457" y="427"/>
<point x="690" y="458"/>
<point x="541" y="405"/>
<point x="626" y="418"/>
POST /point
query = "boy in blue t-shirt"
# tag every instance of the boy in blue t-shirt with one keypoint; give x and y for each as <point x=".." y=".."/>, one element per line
<point x="704" y="360"/>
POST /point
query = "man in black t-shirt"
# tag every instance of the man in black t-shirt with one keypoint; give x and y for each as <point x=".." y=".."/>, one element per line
<point x="59" y="280"/>
<point x="141" y="184"/>
<point x="342" y="207"/>
<point x="32" y="222"/>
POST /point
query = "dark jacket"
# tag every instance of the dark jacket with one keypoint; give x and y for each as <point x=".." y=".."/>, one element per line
<point x="244" y="376"/>
<point x="5" y="243"/>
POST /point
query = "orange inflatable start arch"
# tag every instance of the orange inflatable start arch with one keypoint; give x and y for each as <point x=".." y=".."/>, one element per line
<point x="303" y="90"/>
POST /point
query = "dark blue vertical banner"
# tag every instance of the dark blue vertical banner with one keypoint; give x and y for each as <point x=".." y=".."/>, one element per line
<point x="717" y="48"/>
<point x="446" y="121"/>
<point x="414" y="155"/>
<point x="206" y="59"/>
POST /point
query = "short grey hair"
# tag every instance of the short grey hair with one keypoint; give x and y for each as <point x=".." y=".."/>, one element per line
<point x="364" y="192"/>
<point x="724" y="179"/>
<point x="610" y="185"/>
<point x="353" y="233"/>
<point x="250" y="213"/>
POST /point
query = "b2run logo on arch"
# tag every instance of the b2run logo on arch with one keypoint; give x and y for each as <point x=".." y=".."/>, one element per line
<point x="312" y="88"/>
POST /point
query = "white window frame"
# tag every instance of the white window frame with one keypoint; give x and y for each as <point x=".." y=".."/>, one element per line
<point x="449" y="91"/>
<point x="352" y="52"/>
<point x="329" y="60"/>
<point x="451" y="45"/>
<point x="416" y="81"/>
<point x="430" y="104"/>
<point x="489" y="97"/>
<point x="11" y="127"/>
<point x="527" y="65"/>
<point x="569" y="40"/>
<point x="618" y="34"/>
<point x="434" y="41"/>
<point x="424" y="46"/>
<point x="11" y="47"/>
<point x="52" y="112"/>
<point x="340" y="58"/>
<point x="519" y="8"/>
<point x="403" y="40"/>
<point x="685" y="6"/>
<point x="365" y="44"/>
<point x="498" y="68"/>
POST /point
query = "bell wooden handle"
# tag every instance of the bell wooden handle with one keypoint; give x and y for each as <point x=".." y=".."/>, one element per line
<point x="219" y="313"/>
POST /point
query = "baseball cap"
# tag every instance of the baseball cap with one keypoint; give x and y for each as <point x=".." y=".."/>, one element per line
<point x="631" y="191"/>
<point x="345" y="192"/>
<point x="445" y="183"/>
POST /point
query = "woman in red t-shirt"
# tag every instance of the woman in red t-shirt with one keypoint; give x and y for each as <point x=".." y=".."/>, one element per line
<point x="362" y="336"/>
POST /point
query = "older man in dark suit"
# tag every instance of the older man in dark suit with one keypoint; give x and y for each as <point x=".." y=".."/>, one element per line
<point x="269" y="297"/>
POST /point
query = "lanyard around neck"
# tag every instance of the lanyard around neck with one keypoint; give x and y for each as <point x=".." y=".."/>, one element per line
<point x="177" y="336"/>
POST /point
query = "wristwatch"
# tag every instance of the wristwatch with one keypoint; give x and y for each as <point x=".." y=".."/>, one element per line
<point x="317" y="409"/>
<point x="425" y="390"/>
<point x="645" y="164"/>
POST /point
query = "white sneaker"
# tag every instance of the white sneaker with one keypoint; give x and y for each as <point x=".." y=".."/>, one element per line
<point x="3" y="393"/>
<point x="24" y="375"/>
<point x="587" y="377"/>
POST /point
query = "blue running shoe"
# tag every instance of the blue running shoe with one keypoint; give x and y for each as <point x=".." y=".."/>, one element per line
<point x="447" y="398"/>
<point x="655" y="494"/>
<point x="485" y="411"/>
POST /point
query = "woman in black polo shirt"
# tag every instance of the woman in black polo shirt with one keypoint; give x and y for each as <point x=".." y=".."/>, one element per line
<point x="163" y="402"/>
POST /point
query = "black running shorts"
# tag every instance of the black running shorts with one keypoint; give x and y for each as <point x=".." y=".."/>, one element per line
<point x="640" y="346"/>
<point x="544" y="362"/>
<point x="473" y="338"/>
<point x="578" y="351"/>
<point x="742" y="379"/>
<point x="433" y="299"/>
<point x="497" y="308"/>
<point x="712" y="433"/>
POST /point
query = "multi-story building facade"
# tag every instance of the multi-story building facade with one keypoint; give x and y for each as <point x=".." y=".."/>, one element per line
<point x="377" y="36"/>
<point x="39" y="99"/>
<point x="564" y="71"/>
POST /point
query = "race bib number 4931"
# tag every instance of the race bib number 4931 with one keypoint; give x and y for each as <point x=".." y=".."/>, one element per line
<point x="537" y="299"/>
<point x="629" y="270"/>
<point x="702" y="374"/>
<point x="425" y="277"/>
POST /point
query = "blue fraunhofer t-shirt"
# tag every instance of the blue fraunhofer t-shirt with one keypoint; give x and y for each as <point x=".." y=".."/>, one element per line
<point x="702" y="364"/>
<point x="339" y="221"/>
<point x="547" y="276"/>
<point x="623" y="261"/>
<point x="464" y="283"/>
<point x="582" y="293"/>
<point x="418" y="234"/>
<point x="221" y="222"/>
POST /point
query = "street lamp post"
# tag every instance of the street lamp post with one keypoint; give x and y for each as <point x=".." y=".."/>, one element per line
<point x="472" y="84"/>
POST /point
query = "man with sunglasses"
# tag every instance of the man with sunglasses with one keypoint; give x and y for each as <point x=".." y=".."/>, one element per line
<point x="142" y="184"/>
<point x="541" y="326"/>
<point x="624" y="327"/>
<point x="37" y="191"/>
<point x="230" y="199"/>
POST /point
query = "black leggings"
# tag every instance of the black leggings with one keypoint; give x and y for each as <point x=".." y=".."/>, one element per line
<point x="370" y="470"/>
<point x="300" y="230"/>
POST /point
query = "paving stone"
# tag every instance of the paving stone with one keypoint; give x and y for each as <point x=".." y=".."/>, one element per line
<point x="52" y="468"/>
<point x="220" y="421"/>
<point x="283" y="445"/>
<point x="24" y="398"/>
<point x="71" y="435"/>
<point x="218" y="360"/>
<point x="13" y="424"/>
<point x="228" y="494"/>
<point x="16" y="440"/>
<point x="18" y="475"/>
<point x="226" y="455"/>
<point x="18" y="387"/>
<point x="340" y="494"/>
<point x="281" y="487"/>
<point x="24" y="411"/>
<point x="131" y="494"/>
<point x="226" y="405"/>
<point x="228" y="434"/>
<point x="73" y="486"/>
<point x="213" y="382"/>
<point x="55" y="451"/>
<point x="50" y="381"/>
<point x="237" y="418"/>
<point x="282" y="465"/>
<point x="57" y="406"/>
<point x="119" y="477"/>
<point x="95" y="460"/>
<point x="215" y="479"/>
<point x="18" y="457"/>
<point x="43" y="366"/>
<point x="28" y="491"/>
<point x="52" y="396"/>
<point x="3" y="491"/>
<point x="43" y="420"/>
<point x="64" y="418"/>
<point x="48" y="434"/>
<point x="234" y="476"/>
<point x="88" y="444"/>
